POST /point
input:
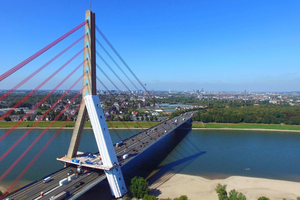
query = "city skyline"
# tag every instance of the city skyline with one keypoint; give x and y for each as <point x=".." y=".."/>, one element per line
<point x="218" y="46"/>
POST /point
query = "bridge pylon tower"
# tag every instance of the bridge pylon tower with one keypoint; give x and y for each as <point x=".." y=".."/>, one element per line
<point x="89" y="80"/>
<point x="92" y="106"/>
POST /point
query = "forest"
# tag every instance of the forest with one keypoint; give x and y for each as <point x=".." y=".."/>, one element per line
<point x="263" y="113"/>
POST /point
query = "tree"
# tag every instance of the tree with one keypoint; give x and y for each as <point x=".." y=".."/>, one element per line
<point x="155" y="118"/>
<point x="8" y="119"/>
<point x="64" y="118"/>
<point x="139" y="187"/>
<point x="221" y="191"/>
<point x="151" y="118"/>
<point x="149" y="197"/>
<point x="206" y="118"/>
<point x="263" y="198"/>
<point x="233" y="194"/>
<point x="183" y="197"/>
<point x="20" y="112"/>
<point x="127" y="117"/>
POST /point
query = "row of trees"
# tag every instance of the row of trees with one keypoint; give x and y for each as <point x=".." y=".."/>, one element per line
<point x="13" y="99"/>
<point x="266" y="114"/>
<point x="233" y="194"/>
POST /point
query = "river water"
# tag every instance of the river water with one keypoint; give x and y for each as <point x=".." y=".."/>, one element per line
<point x="207" y="153"/>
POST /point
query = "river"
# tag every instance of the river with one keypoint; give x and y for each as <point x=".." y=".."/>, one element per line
<point x="207" y="153"/>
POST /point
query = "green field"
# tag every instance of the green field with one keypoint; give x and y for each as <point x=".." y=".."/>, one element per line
<point x="119" y="124"/>
<point x="87" y="124"/>
<point x="247" y="126"/>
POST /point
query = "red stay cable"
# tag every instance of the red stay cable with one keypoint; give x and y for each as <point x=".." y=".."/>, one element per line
<point x="38" y="87"/>
<point x="37" y="139"/>
<point x="39" y="103"/>
<point x="36" y="123"/>
<point x="22" y="64"/>
<point x="40" y="152"/>
<point x="38" y="70"/>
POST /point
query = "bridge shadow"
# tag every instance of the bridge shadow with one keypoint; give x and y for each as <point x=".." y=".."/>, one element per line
<point x="165" y="172"/>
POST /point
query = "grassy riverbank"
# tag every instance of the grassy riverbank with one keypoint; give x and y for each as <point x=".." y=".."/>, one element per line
<point x="72" y="124"/>
<point x="246" y="126"/>
<point x="117" y="124"/>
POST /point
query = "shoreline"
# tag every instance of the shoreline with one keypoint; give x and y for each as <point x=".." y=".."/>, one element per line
<point x="247" y="129"/>
<point x="200" y="188"/>
<point x="229" y="129"/>
<point x="59" y="128"/>
<point x="197" y="187"/>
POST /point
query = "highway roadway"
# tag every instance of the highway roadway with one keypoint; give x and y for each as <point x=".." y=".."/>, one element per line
<point x="132" y="146"/>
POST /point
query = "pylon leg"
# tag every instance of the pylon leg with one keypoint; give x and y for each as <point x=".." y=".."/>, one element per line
<point x="105" y="145"/>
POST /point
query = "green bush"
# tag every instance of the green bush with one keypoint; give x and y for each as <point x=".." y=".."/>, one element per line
<point x="263" y="198"/>
<point x="127" y="198"/>
<point x="233" y="194"/>
<point x="221" y="191"/>
<point x="149" y="197"/>
<point x="183" y="197"/>
<point x="139" y="187"/>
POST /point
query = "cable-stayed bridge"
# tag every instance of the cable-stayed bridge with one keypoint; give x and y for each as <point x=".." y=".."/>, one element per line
<point x="111" y="159"/>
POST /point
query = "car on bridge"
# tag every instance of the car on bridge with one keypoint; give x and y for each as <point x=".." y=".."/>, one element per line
<point x="46" y="180"/>
<point x="70" y="172"/>
<point x="79" y="184"/>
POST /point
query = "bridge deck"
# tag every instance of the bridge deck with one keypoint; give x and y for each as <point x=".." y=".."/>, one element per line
<point x="133" y="147"/>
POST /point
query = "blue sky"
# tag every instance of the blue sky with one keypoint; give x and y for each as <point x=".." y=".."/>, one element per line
<point x="172" y="44"/>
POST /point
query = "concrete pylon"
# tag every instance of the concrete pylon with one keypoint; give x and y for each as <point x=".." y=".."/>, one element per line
<point x="89" y="80"/>
<point x="105" y="146"/>
<point x="92" y="106"/>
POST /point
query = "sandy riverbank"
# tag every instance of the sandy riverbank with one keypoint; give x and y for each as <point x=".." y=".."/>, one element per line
<point x="2" y="189"/>
<point x="198" y="188"/>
